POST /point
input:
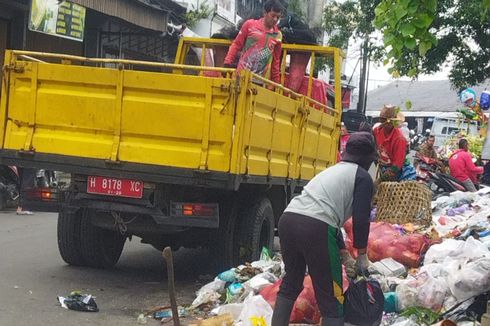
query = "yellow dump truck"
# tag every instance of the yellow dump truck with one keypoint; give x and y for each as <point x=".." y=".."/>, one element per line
<point x="163" y="151"/>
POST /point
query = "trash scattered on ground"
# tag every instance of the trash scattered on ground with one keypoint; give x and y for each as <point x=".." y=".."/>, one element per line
<point x="434" y="274"/>
<point x="167" y="313"/>
<point x="79" y="302"/>
<point x="142" y="319"/>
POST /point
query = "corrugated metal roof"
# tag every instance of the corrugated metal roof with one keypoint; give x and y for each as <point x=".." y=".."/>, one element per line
<point x="436" y="95"/>
<point x="144" y="13"/>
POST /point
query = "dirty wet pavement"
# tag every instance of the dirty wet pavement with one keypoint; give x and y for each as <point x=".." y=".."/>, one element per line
<point x="32" y="275"/>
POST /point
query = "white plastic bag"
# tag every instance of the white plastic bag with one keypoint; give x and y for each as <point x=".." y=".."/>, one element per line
<point x="423" y="290"/>
<point x="258" y="282"/>
<point x="468" y="279"/>
<point x="235" y="309"/>
<point x="438" y="252"/>
<point x="256" y="312"/>
<point x="217" y="286"/>
<point x="210" y="292"/>
<point x="404" y="321"/>
<point x="457" y="250"/>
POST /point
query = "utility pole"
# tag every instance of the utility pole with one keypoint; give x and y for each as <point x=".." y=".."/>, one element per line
<point x="361" y="104"/>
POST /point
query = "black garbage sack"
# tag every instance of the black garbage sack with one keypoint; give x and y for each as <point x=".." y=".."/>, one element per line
<point x="79" y="302"/>
<point x="364" y="303"/>
<point x="469" y="310"/>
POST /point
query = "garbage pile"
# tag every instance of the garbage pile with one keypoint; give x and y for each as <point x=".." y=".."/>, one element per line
<point x="428" y="274"/>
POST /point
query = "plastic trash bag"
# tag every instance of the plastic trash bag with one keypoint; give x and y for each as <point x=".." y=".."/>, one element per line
<point x="364" y="303"/>
<point x="456" y="249"/>
<point x="305" y="309"/>
<point x="471" y="309"/>
<point x="385" y="241"/>
<point x="234" y="309"/>
<point x="209" y="293"/>
<point x="404" y="321"/>
<point x="438" y="252"/>
<point x="228" y="276"/>
<point x="258" y="282"/>
<point x="469" y="278"/>
<point x="79" y="302"/>
<point x="423" y="290"/>
<point x="256" y="311"/>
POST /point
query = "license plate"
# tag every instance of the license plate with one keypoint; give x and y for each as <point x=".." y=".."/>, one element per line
<point x="114" y="187"/>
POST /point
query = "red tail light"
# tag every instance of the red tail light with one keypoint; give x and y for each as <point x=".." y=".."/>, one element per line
<point x="195" y="209"/>
<point x="43" y="194"/>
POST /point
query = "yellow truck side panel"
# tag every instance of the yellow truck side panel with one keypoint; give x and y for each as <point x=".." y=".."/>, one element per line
<point x="267" y="133"/>
<point x="151" y="118"/>
<point x="166" y="119"/>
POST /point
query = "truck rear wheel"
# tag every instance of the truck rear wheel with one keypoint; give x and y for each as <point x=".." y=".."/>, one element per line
<point x="69" y="237"/>
<point x="255" y="229"/>
<point x="100" y="248"/>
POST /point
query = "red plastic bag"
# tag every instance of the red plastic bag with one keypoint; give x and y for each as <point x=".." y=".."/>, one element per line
<point x="305" y="309"/>
<point x="387" y="241"/>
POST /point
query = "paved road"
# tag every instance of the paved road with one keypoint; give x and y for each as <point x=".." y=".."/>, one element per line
<point x="32" y="275"/>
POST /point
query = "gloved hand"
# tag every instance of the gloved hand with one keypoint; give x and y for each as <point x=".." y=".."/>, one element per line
<point x="348" y="262"/>
<point x="362" y="264"/>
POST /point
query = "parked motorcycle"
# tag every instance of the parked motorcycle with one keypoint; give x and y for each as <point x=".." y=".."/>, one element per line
<point x="417" y="139"/>
<point x="9" y="186"/>
<point x="428" y="171"/>
<point x="46" y="179"/>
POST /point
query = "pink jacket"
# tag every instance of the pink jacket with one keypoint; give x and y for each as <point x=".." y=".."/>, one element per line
<point x="462" y="167"/>
<point x="261" y="50"/>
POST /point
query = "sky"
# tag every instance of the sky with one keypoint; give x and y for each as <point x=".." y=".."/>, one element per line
<point x="378" y="75"/>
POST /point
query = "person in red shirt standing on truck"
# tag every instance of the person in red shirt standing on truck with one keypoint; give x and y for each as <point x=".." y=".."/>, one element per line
<point x="463" y="168"/>
<point x="392" y="145"/>
<point x="260" y="43"/>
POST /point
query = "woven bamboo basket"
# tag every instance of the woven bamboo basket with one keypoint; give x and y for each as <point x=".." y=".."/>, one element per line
<point x="404" y="202"/>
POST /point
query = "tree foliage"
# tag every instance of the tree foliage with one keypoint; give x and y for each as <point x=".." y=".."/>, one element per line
<point x="344" y="19"/>
<point x="421" y="36"/>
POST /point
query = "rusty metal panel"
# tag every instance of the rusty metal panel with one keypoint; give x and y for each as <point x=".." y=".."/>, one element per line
<point x="133" y="11"/>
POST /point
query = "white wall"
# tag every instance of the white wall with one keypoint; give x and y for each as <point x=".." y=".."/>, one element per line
<point x="224" y="15"/>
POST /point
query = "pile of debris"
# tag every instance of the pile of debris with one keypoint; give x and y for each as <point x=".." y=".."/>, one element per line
<point x="427" y="273"/>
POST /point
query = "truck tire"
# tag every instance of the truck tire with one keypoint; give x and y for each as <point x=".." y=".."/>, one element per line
<point x="224" y="247"/>
<point x="69" y="238"/>
<point x="100" y="248"/>
<point x="255" y="229"/>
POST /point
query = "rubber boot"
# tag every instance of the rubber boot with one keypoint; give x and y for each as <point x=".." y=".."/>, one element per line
<point x="332" y="321"/>
<point x="282" y="311"/>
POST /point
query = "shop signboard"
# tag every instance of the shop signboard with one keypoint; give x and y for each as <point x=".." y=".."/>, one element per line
<point x="58" y="18"/>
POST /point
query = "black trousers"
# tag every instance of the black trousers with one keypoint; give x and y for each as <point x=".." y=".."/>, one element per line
<point x="306" y="241"/>
<point x="27" y="180"/>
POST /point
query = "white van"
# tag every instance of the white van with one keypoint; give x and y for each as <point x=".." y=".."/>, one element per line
<point x="445" y="127"/>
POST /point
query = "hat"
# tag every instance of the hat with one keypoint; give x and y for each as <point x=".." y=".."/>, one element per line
<point x="390" y="113"/>
<point x="360" y="147"/>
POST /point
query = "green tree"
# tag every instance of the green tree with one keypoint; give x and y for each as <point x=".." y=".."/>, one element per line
<point x="295" y="7"/>
<point x="348" y="19"/>
<point x="421" y="36"/>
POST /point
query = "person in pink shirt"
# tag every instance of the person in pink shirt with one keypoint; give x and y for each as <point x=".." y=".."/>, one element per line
<point x="463" y="168"/>
<point x="344" y="137"/>
<point x="260" y="43"/>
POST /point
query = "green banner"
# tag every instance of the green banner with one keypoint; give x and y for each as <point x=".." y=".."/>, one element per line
<point x="63" y="19"/>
